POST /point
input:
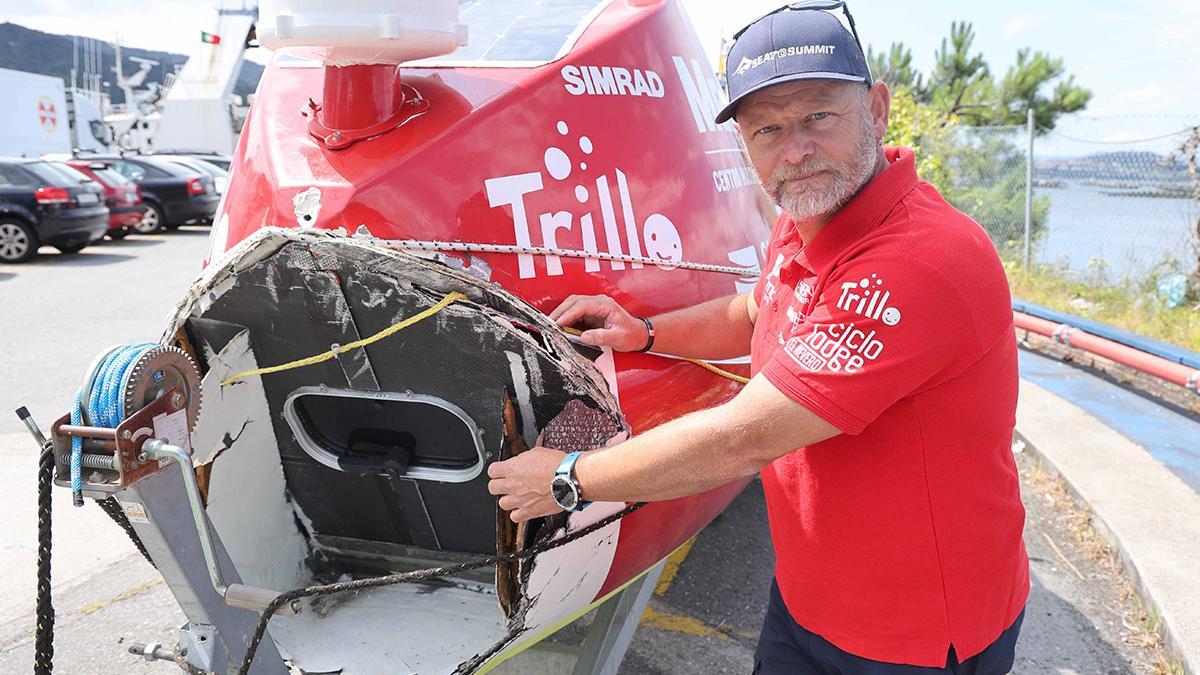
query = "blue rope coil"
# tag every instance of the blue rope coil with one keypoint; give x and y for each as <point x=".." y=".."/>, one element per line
<point x="105" y="403"/>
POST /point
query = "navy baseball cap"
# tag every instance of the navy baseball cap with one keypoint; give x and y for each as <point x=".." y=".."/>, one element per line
<point x="792" y="43"/>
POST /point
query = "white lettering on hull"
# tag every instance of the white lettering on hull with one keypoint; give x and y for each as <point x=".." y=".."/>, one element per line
<point x="612" y="81"/>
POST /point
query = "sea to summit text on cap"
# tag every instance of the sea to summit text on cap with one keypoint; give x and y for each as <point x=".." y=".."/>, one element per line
<point x="801" y="50"/>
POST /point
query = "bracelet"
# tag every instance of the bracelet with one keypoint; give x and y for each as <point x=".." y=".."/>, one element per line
<point x="650" y="334"/>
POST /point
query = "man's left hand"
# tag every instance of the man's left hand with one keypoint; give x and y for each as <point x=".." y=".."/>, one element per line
<point x="523" y="483"/>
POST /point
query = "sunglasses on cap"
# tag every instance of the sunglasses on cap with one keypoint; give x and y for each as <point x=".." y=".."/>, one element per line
<point x="819" y="5"/>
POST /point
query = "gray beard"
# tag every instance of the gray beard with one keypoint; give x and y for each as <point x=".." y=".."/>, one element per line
<point x="813" y="204"/>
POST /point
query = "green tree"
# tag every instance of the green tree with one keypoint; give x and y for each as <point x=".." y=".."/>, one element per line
<point x="981" y="171"/>
<point x="950" y="119"/>
<point x="988" y="184"/>
<point x="1024" y="87"/>
<point x="961" y="83"/>
<point x="895" y="67"/>
<point x="963" y="88"/>
<point x="920" y="127"/>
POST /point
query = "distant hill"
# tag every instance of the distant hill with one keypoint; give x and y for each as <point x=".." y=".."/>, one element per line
<point x="33" y="51"/>
<point x="1128" y="166"/>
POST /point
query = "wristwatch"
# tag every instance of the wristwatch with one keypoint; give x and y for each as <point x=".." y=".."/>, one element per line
<point x="565" y="487"/>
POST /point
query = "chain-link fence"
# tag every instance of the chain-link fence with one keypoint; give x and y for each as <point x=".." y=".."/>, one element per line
<point x="1109" y="200"/>
<point x="1122" y="205"/>
<point x="988" y="180"/>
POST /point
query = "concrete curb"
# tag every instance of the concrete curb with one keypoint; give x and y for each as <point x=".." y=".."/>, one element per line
<point x="1147" y="514"/>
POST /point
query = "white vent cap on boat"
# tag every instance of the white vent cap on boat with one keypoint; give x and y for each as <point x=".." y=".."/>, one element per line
<point x="352" y="32"/>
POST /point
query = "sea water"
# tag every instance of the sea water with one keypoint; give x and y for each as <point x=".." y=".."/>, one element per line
<point x="1094" y="232"/>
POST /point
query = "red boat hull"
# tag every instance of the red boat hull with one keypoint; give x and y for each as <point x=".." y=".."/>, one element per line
<point x="610" y="148"/>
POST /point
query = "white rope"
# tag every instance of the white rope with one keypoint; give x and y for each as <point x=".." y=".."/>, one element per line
<point x="564" y="253"/>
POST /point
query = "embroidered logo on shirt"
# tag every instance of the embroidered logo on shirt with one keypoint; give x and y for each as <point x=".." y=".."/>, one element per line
<point x="836" y="347"/>
<point x="772" y="285"/>
<point x="867" y="298"/>
<point x="796" y="318"/>
<point x="803" y="293"/>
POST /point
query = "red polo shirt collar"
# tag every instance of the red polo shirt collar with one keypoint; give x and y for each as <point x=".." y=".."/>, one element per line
<point x="859" y="216"/>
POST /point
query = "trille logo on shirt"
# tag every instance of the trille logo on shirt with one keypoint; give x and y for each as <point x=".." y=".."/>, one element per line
<point x="868" y="299"/>
<point x="837" y="347"/>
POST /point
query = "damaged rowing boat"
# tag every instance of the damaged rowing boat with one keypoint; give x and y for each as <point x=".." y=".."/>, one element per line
<point x="414" y="188"/>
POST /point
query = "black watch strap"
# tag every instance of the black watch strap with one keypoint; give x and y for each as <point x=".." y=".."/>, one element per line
<point x="649" y="334"/>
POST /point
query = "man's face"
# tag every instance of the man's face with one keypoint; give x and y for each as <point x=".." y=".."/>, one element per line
<point x="814" y="143"/>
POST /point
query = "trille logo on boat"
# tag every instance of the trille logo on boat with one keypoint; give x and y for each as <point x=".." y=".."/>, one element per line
<point x="656" y="235"/>
<point x="868" y="299"/>
<point x="836" y="347"/>
<point x="749" y="257"/>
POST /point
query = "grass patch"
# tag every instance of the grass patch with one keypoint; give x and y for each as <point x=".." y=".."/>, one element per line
<point x="1133" y="308"/>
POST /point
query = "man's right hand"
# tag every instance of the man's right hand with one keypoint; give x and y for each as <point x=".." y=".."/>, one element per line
<point x="604" y="323"/>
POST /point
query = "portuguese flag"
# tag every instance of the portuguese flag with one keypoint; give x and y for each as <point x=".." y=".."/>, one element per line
<point x="210" y="38"/>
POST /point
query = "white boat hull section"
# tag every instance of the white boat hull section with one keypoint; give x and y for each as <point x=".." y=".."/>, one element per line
<point x="411" y="628"/>
<point x="564" y="581"/>
<point x="247" y="501"/>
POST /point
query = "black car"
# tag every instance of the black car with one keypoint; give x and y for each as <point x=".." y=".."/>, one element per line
<point x="209" y="156"/>
<point x="47" y="203"/>
<point x="172" y="194"/>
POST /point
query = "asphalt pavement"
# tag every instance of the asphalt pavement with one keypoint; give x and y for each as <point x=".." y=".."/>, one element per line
<point x="59" y="312"/>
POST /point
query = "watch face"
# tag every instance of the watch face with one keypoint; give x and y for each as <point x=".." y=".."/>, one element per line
<point x="564" y="492"/>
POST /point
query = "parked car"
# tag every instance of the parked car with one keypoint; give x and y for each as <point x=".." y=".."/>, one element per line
<point x="220" y="176"/>
<point x="209" y="156"/>
<point x="47" y="203"/>
<point x="122" y="196"/>
<point x="172" y="194"/>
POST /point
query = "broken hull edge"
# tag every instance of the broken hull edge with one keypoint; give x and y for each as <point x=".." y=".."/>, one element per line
<point x="675" y="521"/>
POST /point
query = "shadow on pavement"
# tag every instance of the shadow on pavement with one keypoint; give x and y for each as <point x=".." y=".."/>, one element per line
<point x="133" y="241"/>
<point x="88" y="257"/>
<point x="189" y="231"/>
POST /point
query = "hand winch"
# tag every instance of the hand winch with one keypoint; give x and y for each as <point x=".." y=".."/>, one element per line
<point x="131" y="394"/>
<point x="135" y="412"/>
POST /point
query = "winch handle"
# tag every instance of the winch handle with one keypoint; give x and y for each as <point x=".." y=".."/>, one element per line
<point x="234" y="595"/>
<point x="33" y="427"/>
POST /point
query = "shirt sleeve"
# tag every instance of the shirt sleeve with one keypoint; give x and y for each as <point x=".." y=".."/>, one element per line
<point x="880" y="330"/>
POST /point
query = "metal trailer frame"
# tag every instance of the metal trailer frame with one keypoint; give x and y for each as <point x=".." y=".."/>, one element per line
<point x="612" y="630"/>
<point x="168" y="531"/>
<point x="173" y="539"/>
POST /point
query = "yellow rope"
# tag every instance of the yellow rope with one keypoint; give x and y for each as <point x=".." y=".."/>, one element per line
<point x="723" y="373"/>
<point x="442" y="304"/>
<point x="703" y="364"/>
<point x="319" y="358"/>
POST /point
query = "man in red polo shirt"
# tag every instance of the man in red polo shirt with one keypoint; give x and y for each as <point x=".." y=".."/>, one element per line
<point x="882" y="348"/>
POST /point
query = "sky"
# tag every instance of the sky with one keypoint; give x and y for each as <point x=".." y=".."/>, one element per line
<point x="1141" y="60"/>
